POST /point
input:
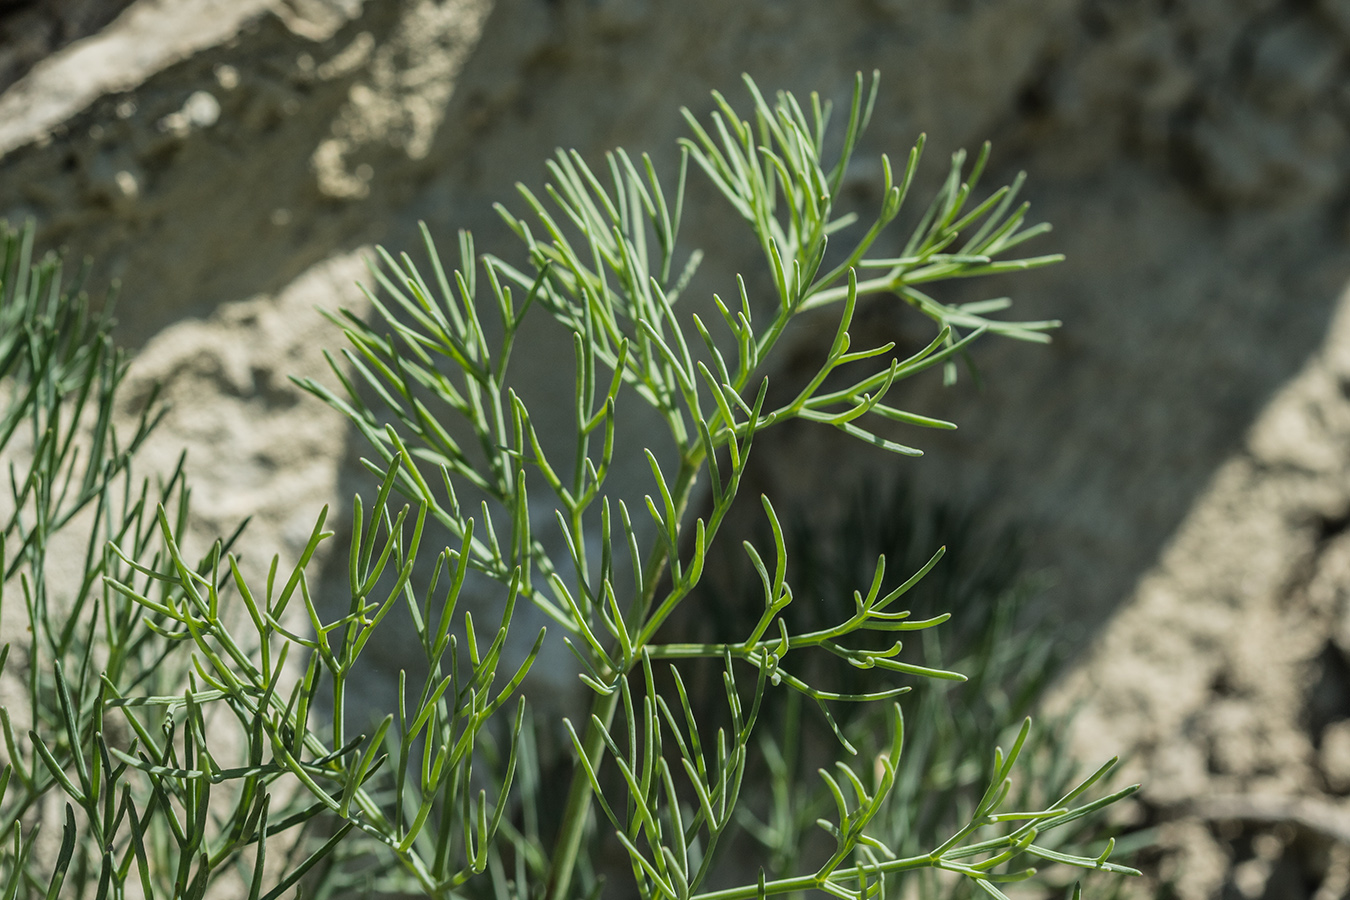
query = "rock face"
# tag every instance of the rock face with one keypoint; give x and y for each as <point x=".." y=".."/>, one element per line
<point x="1178" y="457"/>
<point x="31" y="31"/>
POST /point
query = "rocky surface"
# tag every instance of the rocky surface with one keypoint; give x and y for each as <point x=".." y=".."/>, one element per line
<point x="1179" y="457"/>
<point x="31" y="31"/>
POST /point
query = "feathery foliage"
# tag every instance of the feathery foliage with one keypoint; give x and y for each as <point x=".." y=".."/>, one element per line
<point x="199" y="723"/>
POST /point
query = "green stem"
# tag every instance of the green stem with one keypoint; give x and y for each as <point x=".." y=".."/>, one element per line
<point x="814" y="882"/>
<point x="882" y="285"/>
<point x="657" y="562"/>
<point x="577" y="811"/>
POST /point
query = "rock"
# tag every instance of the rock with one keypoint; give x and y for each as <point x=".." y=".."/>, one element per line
<point x="1334" y="756"/>
<point x="31" y="31"/>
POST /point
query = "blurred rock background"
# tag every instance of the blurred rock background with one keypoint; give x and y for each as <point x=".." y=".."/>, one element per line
<point x="1178" y="459"/>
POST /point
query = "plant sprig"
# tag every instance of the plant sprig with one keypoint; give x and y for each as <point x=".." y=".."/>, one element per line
<point x="604" y="259"/>
<point x="443" y="794"/>
<point x="429" y="748"/>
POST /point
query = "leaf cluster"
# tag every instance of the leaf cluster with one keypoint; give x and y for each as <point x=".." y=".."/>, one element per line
<point x="604" y="261"/>
<point x="159" y="655"/>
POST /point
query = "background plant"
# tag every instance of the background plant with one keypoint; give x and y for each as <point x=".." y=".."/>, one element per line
<point x="438" y="792"/>
<point x="58" y="374"/>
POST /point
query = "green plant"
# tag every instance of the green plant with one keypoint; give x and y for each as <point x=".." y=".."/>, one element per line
<point x="71" y="493"/>
<point x="440" y="798"/>
<point x="1008" y="657"/>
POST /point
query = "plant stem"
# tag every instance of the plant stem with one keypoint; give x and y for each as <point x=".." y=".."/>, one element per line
<point x="881" y="285"/>
<point x="577" y="811"/>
